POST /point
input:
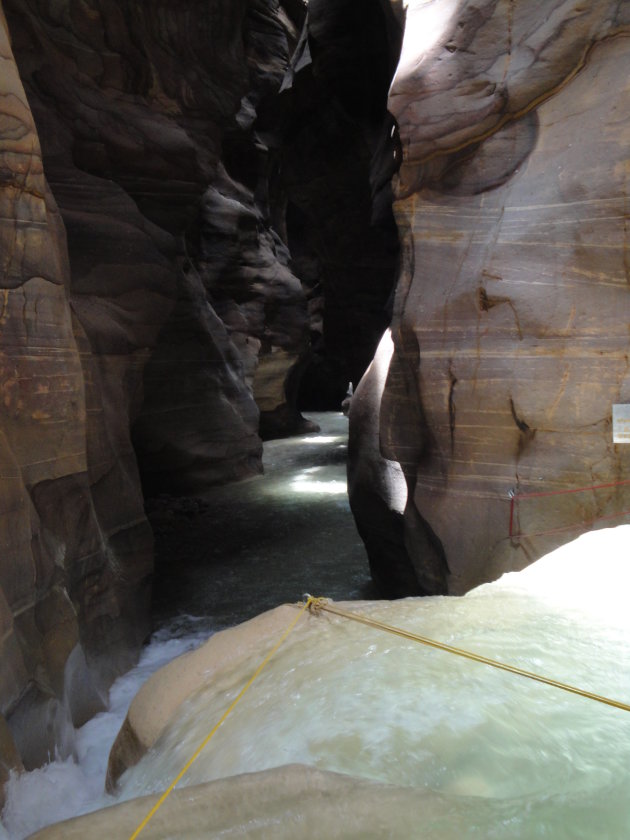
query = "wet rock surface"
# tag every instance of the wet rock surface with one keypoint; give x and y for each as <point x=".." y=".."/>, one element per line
<point x="190" y="195"/>
<point x="330" y="803"/>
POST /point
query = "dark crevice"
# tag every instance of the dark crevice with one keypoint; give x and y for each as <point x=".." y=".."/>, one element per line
<point x="527" y="433"/>
<point x="338" y="150"/>
<point x="451" y="403"/>
<point x="521" y="424"/>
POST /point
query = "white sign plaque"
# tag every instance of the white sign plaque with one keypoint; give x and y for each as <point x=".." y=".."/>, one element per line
<point x="621" y="423"/>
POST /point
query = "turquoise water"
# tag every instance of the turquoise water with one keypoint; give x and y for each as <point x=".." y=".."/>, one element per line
<point x="516" y="758"/>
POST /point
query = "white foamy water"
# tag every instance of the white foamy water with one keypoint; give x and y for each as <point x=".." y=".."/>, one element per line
<point x="523" y="759"/>
<point x="64" y="789"/>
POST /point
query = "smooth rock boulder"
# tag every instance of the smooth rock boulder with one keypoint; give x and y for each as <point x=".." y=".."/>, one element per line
<point x="272" y="804"/>
<point x="156" y="704"/>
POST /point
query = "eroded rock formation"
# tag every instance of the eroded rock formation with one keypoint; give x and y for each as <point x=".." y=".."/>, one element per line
<point x="150" y="294"/>
<point x="178" y="180"/>
<point x="189" y="189"/>
<point x="510" y="327"/>
<point x="59" y="546"/>
<point x="137" y="109"/>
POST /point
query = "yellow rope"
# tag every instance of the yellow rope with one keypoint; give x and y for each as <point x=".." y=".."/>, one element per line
<point x="205" y="741"/>
<point x="318" y="604"/>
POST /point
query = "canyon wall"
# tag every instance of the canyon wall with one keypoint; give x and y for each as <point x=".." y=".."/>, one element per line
<point x="196" y="218"/>
<point x="488" y="440"/>
<point x="58" y="548"/>
<point x="149" y="318"/>
<point x="335" y="169"/>
<point x="197" y="232"/>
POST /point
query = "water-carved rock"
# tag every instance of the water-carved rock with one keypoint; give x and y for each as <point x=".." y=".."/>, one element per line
<point x="112" y="319"/>
<point x="510" y="327"/>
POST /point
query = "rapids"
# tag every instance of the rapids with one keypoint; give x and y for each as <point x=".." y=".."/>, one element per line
<point x="523" y="759"/>
<point x="294" y="522"/>
<point x="66" y="788"/>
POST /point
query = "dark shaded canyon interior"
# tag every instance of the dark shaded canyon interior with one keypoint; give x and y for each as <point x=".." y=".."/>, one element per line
<point x="203" y="159"/>
<point x="211" y="212"/>
<point x="340" y="226"/>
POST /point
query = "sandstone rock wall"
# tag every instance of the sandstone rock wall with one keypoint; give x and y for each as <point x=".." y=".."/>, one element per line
<point x="149" y="298"/>
<point x="510" y="325"/>
<point x="137" y="108"/>
<point x="59" y="547"/>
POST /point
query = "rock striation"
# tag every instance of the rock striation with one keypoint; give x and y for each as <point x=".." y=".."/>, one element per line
<point x="150" y="317"/>
<point x="60" y="545"/>
<point x="510" y="325"/>
<point x="196" y="219"/>
<point x="165" y="263"/>
<point x="136" y="120"/>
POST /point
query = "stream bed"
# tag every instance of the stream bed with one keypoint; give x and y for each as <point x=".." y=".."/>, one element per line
<point x="477" y="752"/>
<point x="221" y="558"/>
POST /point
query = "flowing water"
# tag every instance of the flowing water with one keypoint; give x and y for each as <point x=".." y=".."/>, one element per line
<point x="221" y="559"/>
<point x="64" y="789"/>
<point x="521" y="759"/>
<point x="254" y="545"/>
<point x="502" y="756"/>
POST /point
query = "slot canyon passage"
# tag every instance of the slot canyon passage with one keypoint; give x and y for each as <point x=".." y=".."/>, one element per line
<point x="214" y="216"/>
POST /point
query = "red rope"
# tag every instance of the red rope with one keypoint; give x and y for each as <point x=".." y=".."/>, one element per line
<point x="572" y="490"/>
<point x="580" y="525"/>
<point x="560" y="493"/>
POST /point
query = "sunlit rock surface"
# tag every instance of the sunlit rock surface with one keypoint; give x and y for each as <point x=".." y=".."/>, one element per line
<point x="510" y="325"/>
<point x="463" y="749"/>
<point x="378" y="493"/>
